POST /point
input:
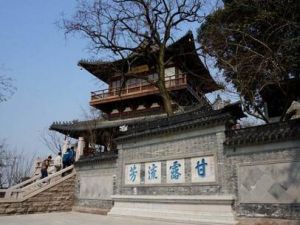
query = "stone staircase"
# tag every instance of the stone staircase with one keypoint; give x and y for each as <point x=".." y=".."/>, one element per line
<point x="52" y="193"/>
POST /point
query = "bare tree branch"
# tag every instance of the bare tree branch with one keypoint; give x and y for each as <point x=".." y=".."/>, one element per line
<point x="52" y="140"/>
<point x="140" y="27"/>
<point x="7" y="89"/>
<point x="15" y="166"/>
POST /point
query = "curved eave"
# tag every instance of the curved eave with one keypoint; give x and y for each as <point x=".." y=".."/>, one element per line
<point x="67" y="130"/>
<point x="77" y="129"/>
<point x="152" y="124"/>
<point x="185" y="53"/>
<point x="101" y="70"/>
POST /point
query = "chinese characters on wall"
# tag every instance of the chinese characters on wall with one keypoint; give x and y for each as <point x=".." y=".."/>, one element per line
<point x="175" y="171"/>
<point x="153" y="173"/>
<point x="133" y="172"/>
<point x="202" y="171"/>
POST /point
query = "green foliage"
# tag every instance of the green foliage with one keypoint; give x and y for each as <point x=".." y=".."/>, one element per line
<point x="255" y="43"/>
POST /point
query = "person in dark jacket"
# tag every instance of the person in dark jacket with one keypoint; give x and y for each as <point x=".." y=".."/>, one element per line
<point x="73" y="155"/>
<point x="67" y="158"/>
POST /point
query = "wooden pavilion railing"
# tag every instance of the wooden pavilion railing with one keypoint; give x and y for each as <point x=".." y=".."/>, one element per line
<point x="172" y="82"/>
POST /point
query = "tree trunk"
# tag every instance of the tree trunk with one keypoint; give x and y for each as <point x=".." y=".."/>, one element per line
<point x="166" y="98"/>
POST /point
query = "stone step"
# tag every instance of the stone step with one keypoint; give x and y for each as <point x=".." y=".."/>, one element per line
<point x="187" y="209"/>
<point x="196" y="217"/>
<point x="90" y="210"/>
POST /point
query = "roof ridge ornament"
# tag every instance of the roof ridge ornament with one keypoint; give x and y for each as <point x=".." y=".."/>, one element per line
<point x="123" y="128"/>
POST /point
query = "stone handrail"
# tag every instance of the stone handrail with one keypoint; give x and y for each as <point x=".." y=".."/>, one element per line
<point x="7" y="192"/>
<point x="20" y="191"/>
<point x="26" y="182"/>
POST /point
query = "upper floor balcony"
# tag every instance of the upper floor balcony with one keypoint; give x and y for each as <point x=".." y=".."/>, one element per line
<point x="142" y="88"/>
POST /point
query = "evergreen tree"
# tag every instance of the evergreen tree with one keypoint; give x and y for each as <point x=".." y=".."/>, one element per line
<point x="256" y="44"/>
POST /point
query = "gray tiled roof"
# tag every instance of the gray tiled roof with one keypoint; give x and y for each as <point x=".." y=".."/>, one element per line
<point x="281" y="131"/>
<point x="153" y="124"/>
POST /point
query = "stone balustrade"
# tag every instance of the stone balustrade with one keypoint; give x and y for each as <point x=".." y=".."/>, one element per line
<point x="53" y="193"/>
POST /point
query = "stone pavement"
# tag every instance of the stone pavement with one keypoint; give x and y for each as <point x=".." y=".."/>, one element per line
<point x="74" y="218"/>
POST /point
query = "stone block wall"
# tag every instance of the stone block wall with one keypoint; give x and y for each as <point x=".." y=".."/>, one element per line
<point x="95" y="184"/>
<point x="265" y="179"/>
<point x="55" y="199"/>
<point x="199" y="142"/>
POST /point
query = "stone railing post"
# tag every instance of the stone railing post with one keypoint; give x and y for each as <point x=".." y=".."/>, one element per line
<point x="65" y="146"/>
<point x="80" y="147"/>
